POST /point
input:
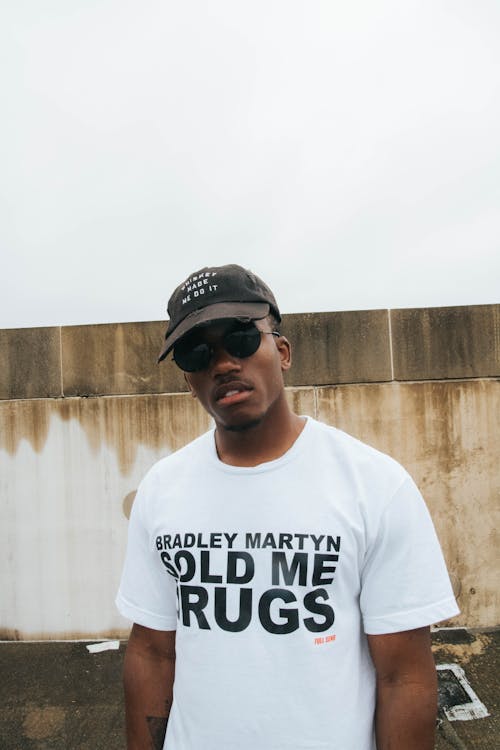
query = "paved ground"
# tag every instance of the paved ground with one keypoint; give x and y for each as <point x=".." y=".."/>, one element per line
<point x="58" y="696"/>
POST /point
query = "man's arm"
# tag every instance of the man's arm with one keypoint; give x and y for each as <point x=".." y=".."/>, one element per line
<point x="148" y="678"/>
<point x="406" y="704"/>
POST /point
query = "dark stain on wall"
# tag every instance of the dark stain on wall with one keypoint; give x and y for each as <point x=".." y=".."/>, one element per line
<point x="122" y="423"/>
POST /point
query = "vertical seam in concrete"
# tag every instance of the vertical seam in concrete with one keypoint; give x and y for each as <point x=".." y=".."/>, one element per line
<point x="315" y="401"/>
<point x="390" y="343"/>
<point x="61" y="361"/>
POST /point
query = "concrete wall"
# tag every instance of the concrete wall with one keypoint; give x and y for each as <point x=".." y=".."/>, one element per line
<point x="84" y="412"/>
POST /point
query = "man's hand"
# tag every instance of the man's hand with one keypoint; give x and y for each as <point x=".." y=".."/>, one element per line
<point x="148" y="678"/>
<point x="406" y="704"/>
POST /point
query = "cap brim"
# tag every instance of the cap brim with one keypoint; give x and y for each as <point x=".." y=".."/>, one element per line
<point x="244" y="311"/>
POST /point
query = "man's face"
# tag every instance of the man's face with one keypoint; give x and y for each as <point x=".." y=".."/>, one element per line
<point x="240" y="392"/>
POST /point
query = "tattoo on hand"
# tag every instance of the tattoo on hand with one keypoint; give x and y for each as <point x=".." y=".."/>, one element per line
<point x="157" y="726"/>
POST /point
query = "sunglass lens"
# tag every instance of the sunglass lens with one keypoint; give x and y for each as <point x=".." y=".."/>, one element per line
<point x="191" y="356"/>
<point x="243" y="342"/>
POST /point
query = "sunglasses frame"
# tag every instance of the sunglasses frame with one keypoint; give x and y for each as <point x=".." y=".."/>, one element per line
<point x="209" y="348"/>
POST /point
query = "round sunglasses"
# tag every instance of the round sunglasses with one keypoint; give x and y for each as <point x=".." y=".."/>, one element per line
<point x="192" y="354"/>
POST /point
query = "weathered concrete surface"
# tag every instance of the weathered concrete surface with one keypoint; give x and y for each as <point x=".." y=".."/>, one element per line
<point x="446" y="342"/>
<point x="69" y="471"/>
<point x="338" y="347"/>
<point x="302" y="401"/>
<point x="117" y="359"/>
<point x="446" y="435"/>
<point x="329" y="348"/>
<point x="30" y="363"/>
<point x="57" y="696"/>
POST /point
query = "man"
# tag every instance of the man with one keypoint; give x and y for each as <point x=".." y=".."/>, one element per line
<point x="285" y="572"/>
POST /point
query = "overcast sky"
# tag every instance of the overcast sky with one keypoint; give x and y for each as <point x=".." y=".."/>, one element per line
<point x="348" y="152"/>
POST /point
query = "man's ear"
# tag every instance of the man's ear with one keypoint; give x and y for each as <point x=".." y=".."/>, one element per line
<point x="285" y="351"/>
<point x="193" y="394"/>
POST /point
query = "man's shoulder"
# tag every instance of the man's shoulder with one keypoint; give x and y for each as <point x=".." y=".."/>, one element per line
<point x="345" y="441"/>
<point x="194" y="451"/>
<point x="353" y="452"/>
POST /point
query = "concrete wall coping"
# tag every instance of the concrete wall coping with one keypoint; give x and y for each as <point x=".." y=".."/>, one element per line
<point x="359" y="346"/>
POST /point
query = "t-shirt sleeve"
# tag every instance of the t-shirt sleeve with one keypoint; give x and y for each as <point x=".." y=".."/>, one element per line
<point x="404" y="581"/>
<point x="147" y="593"/>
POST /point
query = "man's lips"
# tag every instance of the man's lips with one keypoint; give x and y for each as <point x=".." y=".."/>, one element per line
<point x="232" y="393"/>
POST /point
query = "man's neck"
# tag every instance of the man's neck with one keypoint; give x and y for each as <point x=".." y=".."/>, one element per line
<point x="265" y="441"/>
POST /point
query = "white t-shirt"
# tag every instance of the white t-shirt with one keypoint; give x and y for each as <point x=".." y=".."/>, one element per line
<point x="271" y="576"/>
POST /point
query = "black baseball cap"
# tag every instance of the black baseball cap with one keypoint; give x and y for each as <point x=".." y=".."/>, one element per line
<point x="217" y="293"/>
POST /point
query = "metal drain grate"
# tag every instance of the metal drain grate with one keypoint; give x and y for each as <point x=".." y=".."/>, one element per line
<point x="456" y="698"/>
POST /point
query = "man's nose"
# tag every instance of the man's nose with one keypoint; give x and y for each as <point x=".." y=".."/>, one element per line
<point x="222" y="362"/>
